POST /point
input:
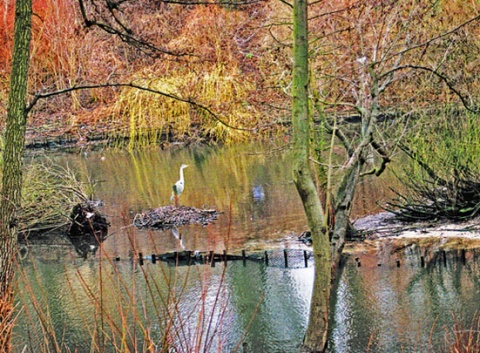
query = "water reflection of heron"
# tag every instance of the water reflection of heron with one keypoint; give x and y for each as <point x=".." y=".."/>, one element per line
<point x="176" y="233"/>
<point x="178" y="186"/>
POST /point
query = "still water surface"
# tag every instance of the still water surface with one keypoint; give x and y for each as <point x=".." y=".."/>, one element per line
<point x="376" y="308"/>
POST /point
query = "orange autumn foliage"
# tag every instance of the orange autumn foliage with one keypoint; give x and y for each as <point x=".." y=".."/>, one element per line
<point x="249" y="46"/>
<point x="52" y="19"/>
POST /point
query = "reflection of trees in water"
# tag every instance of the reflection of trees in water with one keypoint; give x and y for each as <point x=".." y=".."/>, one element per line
<point x="353" y="314"/>
<point x="373" y="193"/>
<point x="229" y="179"/>
<point x="277" y="299"/>
<point x="406" y="306"/>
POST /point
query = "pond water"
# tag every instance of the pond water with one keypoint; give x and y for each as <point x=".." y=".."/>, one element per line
<point x="111" y="302"/>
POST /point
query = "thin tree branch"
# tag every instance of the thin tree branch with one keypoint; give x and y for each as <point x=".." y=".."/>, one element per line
<point x="196" y="105"/>
<point x="431" y="40"/>
<point x="436" y="73"/>
<point x="124" y="32"/>
<point x="286" y="3"/>
<point x="331" y="130"/>
<point x="431" y="173"/>
<point x="385" y="160"/>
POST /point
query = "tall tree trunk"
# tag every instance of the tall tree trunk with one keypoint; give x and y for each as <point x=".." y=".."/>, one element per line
<point x="316" y="335"/>
<point x="12" y="164"/>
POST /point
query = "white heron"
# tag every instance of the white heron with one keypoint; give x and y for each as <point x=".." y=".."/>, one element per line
<point x="178" y="186"/>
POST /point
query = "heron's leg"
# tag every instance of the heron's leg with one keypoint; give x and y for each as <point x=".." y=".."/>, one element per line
<point x="176" y="200"/>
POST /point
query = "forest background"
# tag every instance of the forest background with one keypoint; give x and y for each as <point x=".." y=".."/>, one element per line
<point x="235" y="60"/>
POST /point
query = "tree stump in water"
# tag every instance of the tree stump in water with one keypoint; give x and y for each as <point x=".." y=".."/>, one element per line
<point x="87" y="222"/>
<point x="88" y="229"/>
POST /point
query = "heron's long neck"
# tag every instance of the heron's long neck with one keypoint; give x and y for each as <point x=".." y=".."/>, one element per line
<point x="181" y="174"/>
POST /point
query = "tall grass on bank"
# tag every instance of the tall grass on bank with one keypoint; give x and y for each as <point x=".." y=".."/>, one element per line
<point x="442" y="178"/>
<point x="127" y="307"/>
<point x="150" y="116"/>
<point x="50" y="191"/>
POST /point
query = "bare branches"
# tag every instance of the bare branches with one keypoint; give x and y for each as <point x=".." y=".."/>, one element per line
<point x="439" y="75"/>
<point x="385" y="160"/>
<point x="189" y="101"/>
<point x="333" y="130"/>
<point x="104" y="15"/>
<point x="433" y="39"/>
<point x="286" y="3"/>
<point x="111" y="17"/>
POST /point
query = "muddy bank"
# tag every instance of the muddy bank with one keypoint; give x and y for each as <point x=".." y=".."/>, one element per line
<point x="382" y="230"/>
<point x="384" y="225"/>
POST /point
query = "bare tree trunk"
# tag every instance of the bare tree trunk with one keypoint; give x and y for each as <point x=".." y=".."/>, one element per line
<point x="343" y="207"/>
<point x="12" y="165"/>
<point x="316" y="335"/>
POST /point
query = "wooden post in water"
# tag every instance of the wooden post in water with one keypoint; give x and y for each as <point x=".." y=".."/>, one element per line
<point x="444" y="255"/>
<point x="464" y="256"/>
<point x="305" y="258"/>
<point x="244" y="258"/>
<point x="212" y="258"/>
<point x="140" y="258"/>
<point x="266" y="258"/>
<point x="422" y="261"/>
<point x="285" y="257"/>
<point x="225" y="257"/>
<point x="398" y="263"/>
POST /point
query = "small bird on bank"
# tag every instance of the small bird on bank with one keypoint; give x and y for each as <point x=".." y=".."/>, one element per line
<point x="178" y="186"/>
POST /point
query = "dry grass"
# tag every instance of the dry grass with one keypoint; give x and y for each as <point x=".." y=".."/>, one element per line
<point x="6" y="324"/>
<point x="237" y="62"/>
<point x="463" y="339"/>
<point x="222" y="90"/>
<point x="50" y="191"/>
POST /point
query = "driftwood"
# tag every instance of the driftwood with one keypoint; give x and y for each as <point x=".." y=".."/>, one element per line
<point x="171" y="216"/>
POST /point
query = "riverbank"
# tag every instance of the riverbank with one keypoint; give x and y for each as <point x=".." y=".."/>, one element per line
<point x="384" y="225"/>
<point x="382" y="231"/>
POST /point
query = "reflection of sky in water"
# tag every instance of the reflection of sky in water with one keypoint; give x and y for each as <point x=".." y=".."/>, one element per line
<point x="249" y="183"/>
